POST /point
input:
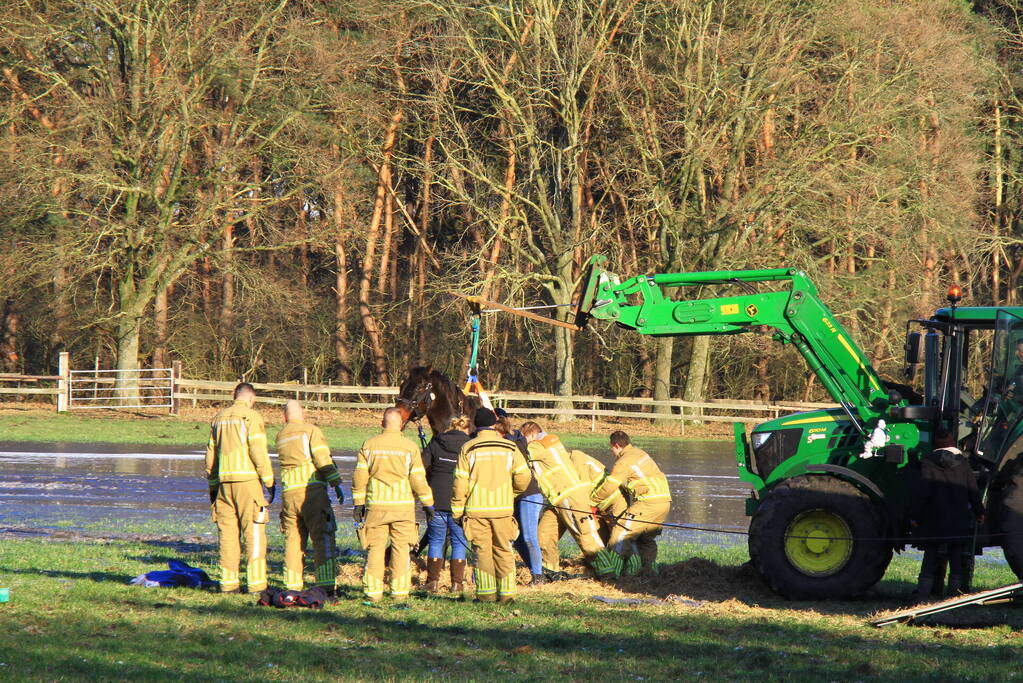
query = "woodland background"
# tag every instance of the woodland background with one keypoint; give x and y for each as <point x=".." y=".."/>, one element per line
<point x="257" y="187"/>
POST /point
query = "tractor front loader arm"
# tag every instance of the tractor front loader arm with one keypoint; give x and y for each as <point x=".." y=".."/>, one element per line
<point x="796" y="313"/>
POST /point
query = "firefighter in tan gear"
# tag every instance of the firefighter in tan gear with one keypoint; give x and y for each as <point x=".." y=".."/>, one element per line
<point x="636" y="476"/>
<point x="591" y="471"/>
<point x="306" y="471"/>
<point x="237" y="469"/>
<point x="568" y="498"/>
<point x="388" y="478"/>
<point x="490" y="473"/>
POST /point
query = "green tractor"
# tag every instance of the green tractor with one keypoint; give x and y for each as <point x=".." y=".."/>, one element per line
<point x="831" y="487"/>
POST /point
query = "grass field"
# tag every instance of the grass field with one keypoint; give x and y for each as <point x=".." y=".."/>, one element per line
<point x="72" y="617"/>
<point x="39" y="426"/>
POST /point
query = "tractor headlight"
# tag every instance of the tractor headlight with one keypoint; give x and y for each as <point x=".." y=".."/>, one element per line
<point x="758" y="439"/>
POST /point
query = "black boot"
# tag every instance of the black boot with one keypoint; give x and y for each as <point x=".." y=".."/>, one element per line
<point x="969" y="561"/>
<point x="923" y="589"/>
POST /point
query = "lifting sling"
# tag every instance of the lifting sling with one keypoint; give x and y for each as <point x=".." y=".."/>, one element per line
<point x="472" y="380"/>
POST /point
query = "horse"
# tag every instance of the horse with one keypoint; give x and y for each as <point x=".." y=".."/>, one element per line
<point x="429" y="393"/>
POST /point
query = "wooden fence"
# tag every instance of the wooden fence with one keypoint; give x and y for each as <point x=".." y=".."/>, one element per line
<point x="519" y="403"/>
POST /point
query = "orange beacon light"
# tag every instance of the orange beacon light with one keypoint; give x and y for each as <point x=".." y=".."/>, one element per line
<point x="955" y="294"/>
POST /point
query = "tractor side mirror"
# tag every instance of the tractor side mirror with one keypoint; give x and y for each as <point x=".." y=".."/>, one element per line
<point x="912" y="348"/>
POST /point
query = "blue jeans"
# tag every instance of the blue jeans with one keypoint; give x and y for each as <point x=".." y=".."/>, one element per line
<point x="527" y="512"/>
<point x="437" y="532"/>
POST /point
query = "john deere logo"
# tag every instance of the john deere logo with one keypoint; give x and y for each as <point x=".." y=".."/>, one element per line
<point x="752" y="311"/>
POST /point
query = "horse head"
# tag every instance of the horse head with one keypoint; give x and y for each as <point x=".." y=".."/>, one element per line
<point x="416" y="394"/>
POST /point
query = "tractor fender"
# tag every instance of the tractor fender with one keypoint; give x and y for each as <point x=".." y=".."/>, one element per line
<point x="844" y="473"/>
<point x="864" y="484"/>
<point x="853" y="477"/>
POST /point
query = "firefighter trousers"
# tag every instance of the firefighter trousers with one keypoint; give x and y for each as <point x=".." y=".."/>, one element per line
<point x="240" y="511"/>
<point x="491" y="540"/>
<point x="637" y="531"/>
<point x="306" y="514"/>
<point x="583" y="526"/>
<point x="398" y="528"/>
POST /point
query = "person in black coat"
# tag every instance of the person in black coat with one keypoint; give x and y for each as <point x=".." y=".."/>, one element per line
<point x="942" y="514"/>
<point x="440" y="458"/>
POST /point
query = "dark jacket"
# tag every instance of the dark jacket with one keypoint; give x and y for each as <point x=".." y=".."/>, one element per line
<point x="944" y="496"/>
<point x="439" y="458"/>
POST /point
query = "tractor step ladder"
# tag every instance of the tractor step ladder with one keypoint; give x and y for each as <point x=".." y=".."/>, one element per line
<point x="1003" y="593"/>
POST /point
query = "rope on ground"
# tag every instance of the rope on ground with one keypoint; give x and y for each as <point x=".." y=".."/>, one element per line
<point x="736" y="532"/>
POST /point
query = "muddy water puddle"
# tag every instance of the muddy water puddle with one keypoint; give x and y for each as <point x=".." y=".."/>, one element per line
<point x="104" y="488"/>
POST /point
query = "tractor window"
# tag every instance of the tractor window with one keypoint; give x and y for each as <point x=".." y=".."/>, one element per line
<point x="977" y="362"/>
<point x="1003" y="404"/>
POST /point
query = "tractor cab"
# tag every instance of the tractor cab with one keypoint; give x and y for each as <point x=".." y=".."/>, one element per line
<point x="972" y="378"/>
<point x="972" y="382"/>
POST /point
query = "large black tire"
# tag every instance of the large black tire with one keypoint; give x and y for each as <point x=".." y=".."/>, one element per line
<point x="1010" y="517"/>
<point x="827" y="526"/>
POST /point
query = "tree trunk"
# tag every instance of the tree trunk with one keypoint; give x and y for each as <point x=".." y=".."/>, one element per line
<point x="392" y="276"/>
<point x="564" y="353"/>
<point x="227" y="294"/>
<point x="341" y="352"/>
<point x="563" y="362"/>
<point x="696" y="379"/>
<point x="61" y="310"/>
<point x="129" y="327"/>
<point x="662" y="378"/>
<point x="762" y="391"/>
<point x="160" y="359"/>
<point x="387" y="243"/>
<point x="646" y="370"/>
<point x="887" y="310"/>
<point x="372" y="232"/>
<point x="9" y="337"/>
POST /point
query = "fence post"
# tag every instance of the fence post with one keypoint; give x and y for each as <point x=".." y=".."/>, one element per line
<point x="175" y="376"/>
<point x="593" y="418"/>
<point x="64" y="383"/>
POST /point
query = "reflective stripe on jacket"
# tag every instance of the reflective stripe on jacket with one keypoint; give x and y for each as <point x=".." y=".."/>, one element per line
<point x="236" y="450"/>
<point x="305" y="457"/>
<point x="554" y="470"/>
<point x="389" y="474"/>
<point x="490" y="473"/>
<point x="636" y="473"/>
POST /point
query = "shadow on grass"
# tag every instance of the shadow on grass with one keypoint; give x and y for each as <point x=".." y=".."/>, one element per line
<point x="184" y="546"/>
<point x="61" y="574"/>
<point x="574" y="642"/>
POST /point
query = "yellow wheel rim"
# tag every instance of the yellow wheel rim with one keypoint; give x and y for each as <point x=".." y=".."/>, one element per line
<point x="818" y="543"/>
